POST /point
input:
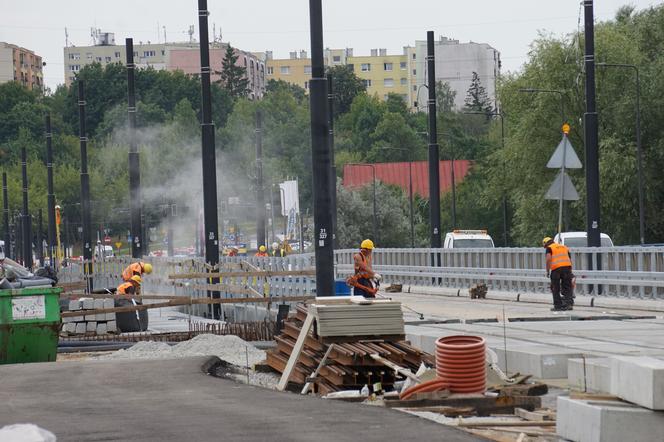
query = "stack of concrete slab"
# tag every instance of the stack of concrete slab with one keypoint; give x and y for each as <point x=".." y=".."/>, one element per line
<point x="351" y="317"/>
<point x="639" y="380"/>
<point x="93" y="323"/>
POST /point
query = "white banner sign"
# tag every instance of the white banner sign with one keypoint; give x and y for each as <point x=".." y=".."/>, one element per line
<point x="28" y="307"/>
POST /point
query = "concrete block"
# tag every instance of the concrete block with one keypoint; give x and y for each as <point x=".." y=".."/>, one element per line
<point x="109" y="317"/>
<point x="541" y="361"/>
<point x="101" y="328"/>
<point x="69" y="327"/>
<point x="638" y="379"/>
<point x="99" y="303"/>
<point x="81" y="327"/>
<point x="597" y="376"/>
<point x="111" y="327"/>
<point x="109" y="303"/>
<point x="91" y="326"/>
<point x="607" y="421"/>
<point x="69" y="319"/>
<point x="74" y="304"/>
<point x="87" y="303"/>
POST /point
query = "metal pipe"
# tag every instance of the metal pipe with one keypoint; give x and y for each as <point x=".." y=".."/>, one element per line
<point x="260" y="191"/>
<point x="85" y="190"/>
<point x="5" y="217"/>
<point x="27" y="224"/>
<point x="134" y="162"/>
<point x="434" y="164"/>
<point x="211" y="219"/>
<point x="52" y="240"/>
<point x="321" y="157"/>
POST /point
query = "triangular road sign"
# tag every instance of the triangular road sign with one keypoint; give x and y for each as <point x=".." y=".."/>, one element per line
<point x="571" y="159"/>
<point x="570" y="193"/>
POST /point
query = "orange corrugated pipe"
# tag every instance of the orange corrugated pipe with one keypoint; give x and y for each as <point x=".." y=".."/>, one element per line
<point x="461" y="361"/>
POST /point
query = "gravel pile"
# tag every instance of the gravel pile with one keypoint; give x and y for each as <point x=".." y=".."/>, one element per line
<point x="229" y="348"/>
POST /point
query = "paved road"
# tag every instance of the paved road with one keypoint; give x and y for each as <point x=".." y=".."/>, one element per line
<point x="174" y="400"/>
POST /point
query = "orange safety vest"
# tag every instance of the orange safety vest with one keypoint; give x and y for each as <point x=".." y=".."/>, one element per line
<point x="364" y="259"/>
<point x="261" y="254"/>
<point x="559" y="256"/>
<point x="133" y="269"/>
<point x="123" y="288"/>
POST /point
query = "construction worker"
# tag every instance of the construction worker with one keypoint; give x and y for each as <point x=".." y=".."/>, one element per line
<point x="365" y="280"/>
<point x="262" y="251"/>
<point x="278" y="251"/>
<point x="137" y="268"/>
<point x="131" y="287"/>
<point x="559" y="268"/>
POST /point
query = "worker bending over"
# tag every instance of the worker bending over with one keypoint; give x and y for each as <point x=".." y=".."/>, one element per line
<point x="136" y="268"/>
<point x="278" y="251"/>
<point x="262" y="251"/>
<point x="559" y="268"/>
<point x="365" y="281"/>
<point x="131" y="287"/>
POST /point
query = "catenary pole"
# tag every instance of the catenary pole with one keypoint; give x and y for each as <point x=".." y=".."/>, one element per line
<point x="50" y="200"/>
<point x="330" y="116"/>
<point x="134" y="161"/>
<point x="85" y="189"/>
<point x="434" y="172"/>
<point x="26" y="223"/>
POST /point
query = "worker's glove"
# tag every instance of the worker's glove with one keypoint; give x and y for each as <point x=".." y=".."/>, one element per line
<point x="377" y="276"/>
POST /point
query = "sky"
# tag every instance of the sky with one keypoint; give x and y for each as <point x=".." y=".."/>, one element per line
<point x="282" y="26"/>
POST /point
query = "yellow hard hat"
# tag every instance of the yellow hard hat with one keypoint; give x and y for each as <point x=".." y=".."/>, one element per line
<point x="546" y="240"/>
<point x="262" y="248"/>
<point x="147" y="268"/>
<point x="367" y="244"/>
<point x="136" y="278"/>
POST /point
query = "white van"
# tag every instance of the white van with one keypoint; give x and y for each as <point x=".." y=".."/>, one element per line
<point x="580" y="239"/>
<point x="468" y="239"/>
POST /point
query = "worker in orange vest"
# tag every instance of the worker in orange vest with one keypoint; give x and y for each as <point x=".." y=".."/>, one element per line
<point x="262" y="251"/>
<point x="131" y="287"/>
<point x="559" y="268"/>
<point x="365" y="281"/>
<point x="136" y="268"/>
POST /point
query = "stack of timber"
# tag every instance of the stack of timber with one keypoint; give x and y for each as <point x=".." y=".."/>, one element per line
<point x="345" y="359"/>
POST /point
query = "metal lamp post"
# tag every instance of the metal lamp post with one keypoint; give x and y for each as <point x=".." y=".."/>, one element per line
<point x="639" y="150"/>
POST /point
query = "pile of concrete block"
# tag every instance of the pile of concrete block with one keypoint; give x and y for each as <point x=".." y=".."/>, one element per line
<point x="98" y="323"/>
<point x="634" y="411"/>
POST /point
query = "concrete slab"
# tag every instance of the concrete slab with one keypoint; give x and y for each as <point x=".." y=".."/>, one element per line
<point x="594" y="421"/>
<point x="175" y="400"/>
<point x="592" y="375"/>
<point x="541" y="361"/>
<point x="639" y="379"/>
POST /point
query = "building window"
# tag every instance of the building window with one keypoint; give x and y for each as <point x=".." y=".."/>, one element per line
<point x="117" y="55"/>
<point x="98" y="59"/>
<point x="414" y="57"/>
<point x="402" y="66"/>
<point x="336" y="59"/>
<point x="163" y="52"/>
<point x="306" y="85"/>
<point x="351" y="67"/>
<point x="307" y="69"/>
<point x="415" y="87"/>
<point x="404" y="81"/>
<point x="387" y="67"/>
<point x="366" y="67"/>
<point x="285" y="70"/>
<point x="149" y="53"/>
<point x="74" y="67"/>
<point x="388" y="82"/>
<point x="135" y="54"/>
<point x="88" y="55"/>
<point x="74" y="56"/>
<point x="367" y="83"/>
<point x="414" y="71"/>
<point x="108" y="59"/>
<point x="270" y="70"/>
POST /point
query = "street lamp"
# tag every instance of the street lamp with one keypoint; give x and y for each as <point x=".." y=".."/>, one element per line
<point x="502" y="139"/>
<point x="639" y="151"/>
<point x="375" y="222"/>
<point x="410" y="190"/>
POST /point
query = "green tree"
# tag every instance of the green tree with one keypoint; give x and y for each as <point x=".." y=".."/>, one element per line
<point x="477" y="99"/>
<point x="347" y="86"/>
<point x="273" y="86"/>
<point x="445" y="97"/>
<point x="233" y="77"/>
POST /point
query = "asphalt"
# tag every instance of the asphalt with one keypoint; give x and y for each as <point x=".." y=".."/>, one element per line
<point x="176" y="400"/>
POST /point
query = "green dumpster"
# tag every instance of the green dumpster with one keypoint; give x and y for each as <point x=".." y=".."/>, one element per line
<point x="29" y="325"/>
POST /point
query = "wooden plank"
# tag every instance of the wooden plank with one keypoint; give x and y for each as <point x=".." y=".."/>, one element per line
<point x="498" y="423"/>
<point x="299" y="344"/>
<point x="239" y="274"/>
<point x="395" y="367"/>
<point x="307" y="386"/>
<point x="537" y="389"/>
<point x="531" y="415"/>
<point x="483" y="405"/>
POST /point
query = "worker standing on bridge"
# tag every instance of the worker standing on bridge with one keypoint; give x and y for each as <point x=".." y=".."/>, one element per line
<point x="559" y="268"/>
<point x="365" y="280"/>
<point x="136" y="268"/>
<point x="262" y="252"/>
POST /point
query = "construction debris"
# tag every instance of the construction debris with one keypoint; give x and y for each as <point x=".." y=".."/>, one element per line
<point x="478" y="291"/>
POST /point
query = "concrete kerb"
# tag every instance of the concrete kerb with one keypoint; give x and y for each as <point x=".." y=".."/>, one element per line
<point x="651" y="305"/>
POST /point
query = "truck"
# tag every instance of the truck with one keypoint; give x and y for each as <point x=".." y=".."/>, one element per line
<point x="580" y="239"/>
<point x="468" y="239"/>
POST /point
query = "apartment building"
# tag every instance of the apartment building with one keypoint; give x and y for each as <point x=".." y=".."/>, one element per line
<point x="182" y="56"/>
<point x="403" y="74"/>
<point x="21" y="65"/>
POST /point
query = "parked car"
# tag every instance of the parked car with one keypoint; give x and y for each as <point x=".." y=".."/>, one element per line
<point x="580" y="239"/>
<point x="468" y="239"/>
